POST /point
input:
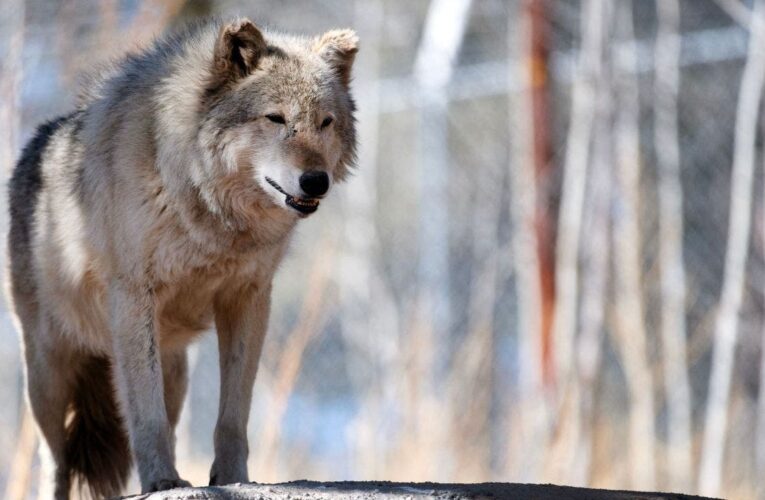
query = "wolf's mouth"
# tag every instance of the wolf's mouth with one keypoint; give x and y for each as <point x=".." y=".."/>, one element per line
<point x="305" y="206"/>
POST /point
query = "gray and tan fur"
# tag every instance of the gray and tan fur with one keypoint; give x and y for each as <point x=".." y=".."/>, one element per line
<point x="162" y="205"/>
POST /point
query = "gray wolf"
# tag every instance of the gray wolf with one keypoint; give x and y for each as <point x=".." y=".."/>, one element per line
<point x="161" y="205"/>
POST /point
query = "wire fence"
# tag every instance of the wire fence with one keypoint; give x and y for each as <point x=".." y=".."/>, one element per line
<point x="548" y="266"/>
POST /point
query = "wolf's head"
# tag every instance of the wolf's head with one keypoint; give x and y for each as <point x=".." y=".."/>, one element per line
<point x="277" y="122"/>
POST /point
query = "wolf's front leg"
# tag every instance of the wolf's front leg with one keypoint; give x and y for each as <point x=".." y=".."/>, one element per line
<point x="241" y="318"/>
<point x="139" y="386"/>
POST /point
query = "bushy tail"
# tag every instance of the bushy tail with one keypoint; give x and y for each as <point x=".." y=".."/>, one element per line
<point x="97" y="447"/>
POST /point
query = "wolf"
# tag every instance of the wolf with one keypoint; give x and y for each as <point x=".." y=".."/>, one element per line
<point x="160" y="206"/>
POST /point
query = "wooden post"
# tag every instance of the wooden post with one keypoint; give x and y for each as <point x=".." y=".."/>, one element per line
<point x="539" y="54"/>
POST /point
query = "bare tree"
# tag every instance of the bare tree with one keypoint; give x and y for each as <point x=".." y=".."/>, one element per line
<point x="311" y="321"/>
<point x="737" y="11"/>
<point x="152" y="17"/>
<point x="442" y="37"/>
<point x="470" y="384"/>
<point x="673" y="330"/>
<point x="529" y="405"/>
<point x="12" y="20"/>
<point x="537" y="48"/>
<point x="570" y="454"/>
<point x="20" y="468"/>
<point x="560" y="458"/>
<point x="759" y="444"/>
<point x="726" y="327"/>
<point x="13" y="27"/>
<point x="370" y="319"/>
<point x="631" y="334"/>
<point x="589" y="67"/>
<point x="578" y="444"/>
<point x="595" y="253"/>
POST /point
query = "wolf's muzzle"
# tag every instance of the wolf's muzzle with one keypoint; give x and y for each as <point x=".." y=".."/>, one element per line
<point x="305" y="206"/>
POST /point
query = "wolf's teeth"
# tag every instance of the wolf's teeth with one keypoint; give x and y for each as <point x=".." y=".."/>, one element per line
<point x="308" y="203"/>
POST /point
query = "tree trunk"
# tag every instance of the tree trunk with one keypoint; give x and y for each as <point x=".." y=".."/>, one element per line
<point x="726" y="327"/>
<point x="572" y="192"/>
<point x="631" y="334"/>
<point x="677" y="389"/>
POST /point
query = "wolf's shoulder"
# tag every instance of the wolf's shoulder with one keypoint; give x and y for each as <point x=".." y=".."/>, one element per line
<point x="26" y="181"/>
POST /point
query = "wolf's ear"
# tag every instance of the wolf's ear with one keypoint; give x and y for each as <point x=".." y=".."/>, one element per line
<point x="338" y="48"/>
<point x="239" y="46"/>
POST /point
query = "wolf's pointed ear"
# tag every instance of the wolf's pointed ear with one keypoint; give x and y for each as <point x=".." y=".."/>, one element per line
<point x="239" y="46"/>
<point x="338" y="48"/>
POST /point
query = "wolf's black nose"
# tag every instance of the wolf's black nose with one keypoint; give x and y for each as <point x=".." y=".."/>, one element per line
<point x="314" y="182"/>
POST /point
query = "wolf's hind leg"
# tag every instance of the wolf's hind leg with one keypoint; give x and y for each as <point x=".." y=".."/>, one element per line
<point x="175" y="379"/>
<point x="49" y="385"/>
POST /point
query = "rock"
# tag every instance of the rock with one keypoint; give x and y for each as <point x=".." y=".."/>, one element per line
<point x="311" y="490"/>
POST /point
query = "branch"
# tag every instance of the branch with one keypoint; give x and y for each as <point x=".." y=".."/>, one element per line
<point x="736" y="10"/>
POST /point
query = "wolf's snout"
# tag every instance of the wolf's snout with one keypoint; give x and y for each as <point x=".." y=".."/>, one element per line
<point x="314" y="183"/>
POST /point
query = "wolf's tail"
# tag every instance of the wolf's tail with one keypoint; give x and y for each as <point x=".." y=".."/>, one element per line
<point x="97" y="447"/>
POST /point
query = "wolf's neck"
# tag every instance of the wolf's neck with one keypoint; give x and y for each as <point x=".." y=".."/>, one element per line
<point x="212" y="215"/>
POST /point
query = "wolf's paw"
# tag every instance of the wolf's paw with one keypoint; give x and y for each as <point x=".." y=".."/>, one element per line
<point x="220" y="475"/>
<point x="168" y="484"/>
<point x="223" y="479"/>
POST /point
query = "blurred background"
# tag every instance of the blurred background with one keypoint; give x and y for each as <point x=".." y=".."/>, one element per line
<point x="549" y="266"/>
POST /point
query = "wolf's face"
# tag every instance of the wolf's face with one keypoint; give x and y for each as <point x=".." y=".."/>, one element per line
<point x="278" y="122"/>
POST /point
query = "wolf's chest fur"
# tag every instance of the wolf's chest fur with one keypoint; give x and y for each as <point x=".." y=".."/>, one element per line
<point x="187" y="276"/>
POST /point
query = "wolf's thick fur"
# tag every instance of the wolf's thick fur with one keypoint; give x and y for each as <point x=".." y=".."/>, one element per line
<point x="164" y="203"/>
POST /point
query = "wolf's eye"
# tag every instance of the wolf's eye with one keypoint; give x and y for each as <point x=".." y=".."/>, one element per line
<point x="276" y="118"/>
<point x="327" y="121"/>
